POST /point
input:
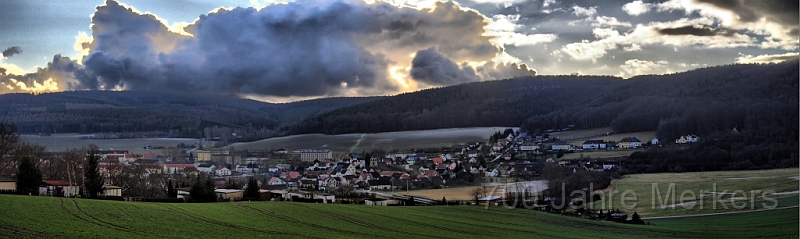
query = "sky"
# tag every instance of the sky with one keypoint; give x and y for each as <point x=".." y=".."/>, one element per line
<point x="285" y="51"/>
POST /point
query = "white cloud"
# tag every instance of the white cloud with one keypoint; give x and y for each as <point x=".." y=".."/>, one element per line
<point x="640" y="67"/>
<point x="502" y="29"/>
<point x="778" y="35"/>
<point x="642" y="35"/>
<point x="636" y="8"/>
<point x="633" y="47"/>
<point x="608" y="21"/>
<point x="581" y="11"/>
<point x="767" y="58"/>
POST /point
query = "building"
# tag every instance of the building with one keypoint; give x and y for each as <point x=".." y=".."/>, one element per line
<point x="687" y="139"/>
<point x="561" y="145"/>
<point x="8" y="185"/>
<point x="229" y="194"/>
<point x="222" y="171"/>
<point x="594" y="144"/>
<point x="111" y="191"/>
<point x="59" y="189"/>
<point x="309" y="155"/>
<point x="375" y="202"/>
<point x="528" y="146"/>
<point x="654" y="141"/>
<point x="630" y="143"/>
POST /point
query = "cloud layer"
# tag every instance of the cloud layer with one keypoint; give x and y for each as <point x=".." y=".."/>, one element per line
<point x="302" y="49"/>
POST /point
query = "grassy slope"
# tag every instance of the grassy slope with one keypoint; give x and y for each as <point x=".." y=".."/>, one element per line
<point x="753" y="185"/>
<point x="42" y="217"/>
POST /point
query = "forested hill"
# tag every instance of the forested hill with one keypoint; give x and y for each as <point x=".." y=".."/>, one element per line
<point x="491" y="103"/>
<point x="700" y="101"/>
<point x="182" y="115"/>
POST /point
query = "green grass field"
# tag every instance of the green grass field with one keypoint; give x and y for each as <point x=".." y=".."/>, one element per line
<point x="736" y="190"/>
<point x="44" y="217"/>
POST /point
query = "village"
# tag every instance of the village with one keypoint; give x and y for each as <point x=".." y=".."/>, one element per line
<point x="315" y="175"/>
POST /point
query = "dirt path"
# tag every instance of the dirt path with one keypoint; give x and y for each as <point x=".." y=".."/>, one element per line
<point x="718" y="213"/>
<point x="357" y="143"/>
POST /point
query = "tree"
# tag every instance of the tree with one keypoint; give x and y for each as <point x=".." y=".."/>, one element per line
<point x="203" y="190"/>
<point x="28" y="177"/>
<point x="477" y="193"/>
<point x="171" y="192"/>
<point x="8" y="142"/>
<point x="252" y="190"/>
<point x="93" y="181"/>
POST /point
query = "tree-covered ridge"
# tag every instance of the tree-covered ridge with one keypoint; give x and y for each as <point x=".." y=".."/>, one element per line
<point x="181" y="115"/>
<point x="504" y="102"/>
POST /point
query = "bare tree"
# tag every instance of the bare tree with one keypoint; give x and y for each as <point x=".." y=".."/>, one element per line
<point x="477" y="193"/>
<point x="8" y="143"/>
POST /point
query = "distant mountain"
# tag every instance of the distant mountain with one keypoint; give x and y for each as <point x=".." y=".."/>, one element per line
<point x="182" y="115"/>
<point x="695" y="102"/>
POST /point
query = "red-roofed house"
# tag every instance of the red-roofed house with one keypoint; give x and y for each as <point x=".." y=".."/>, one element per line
<point x="149" y="156"/>
<point x="178" y="168"/>
<point x="438" y="160"/>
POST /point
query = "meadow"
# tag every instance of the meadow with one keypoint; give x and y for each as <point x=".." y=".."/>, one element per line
<point x="66" y="142"/>
<point x="345" y="143"/>
<point x="45" y="217"/>
<point x="694" y="192"/>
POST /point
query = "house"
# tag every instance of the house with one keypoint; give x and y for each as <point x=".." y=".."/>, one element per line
<point x="229" y="194"/>
<point x="687" y="139"/>
<point x="497" y="147"/>
<point x="281" y="151"/>
<point x="654" y="141"/>
<point x="472" y="154"/>
<point x="8" y="185"/>
<point x="376" y="202"/>
<point x="111" y="191"/>
<point x="561" y="145"/>
<point x="380" y="184"/>
<point x="528" y="146"/>
<point x="309" y="155"/>
<point x="57" y="188"/>
<point x="594" y="144"/>
<point x="630" y="143"/>
<point x="437" y="160"/>
<point x="223" y="171"/>
<point x="206" y="168"/>
<point x="177" y="168"/>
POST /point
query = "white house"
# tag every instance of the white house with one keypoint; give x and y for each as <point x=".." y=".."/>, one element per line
<point x="594" y="144"/>
<point x="561" y="145"/>
<point x="59" y="188"/>
<point x="687" y="139"/>
<point x="528" y="146"/>
<point x="206" y="168"/>
<point x="654" y="141"/>
<point x="223" y="171"/>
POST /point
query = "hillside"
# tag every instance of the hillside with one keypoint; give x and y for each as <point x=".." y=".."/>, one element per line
<point x="479" y="104"/>
<point x="44" y="217"/>
<point x="182" y="115"/>
<point x="700" y="101"/>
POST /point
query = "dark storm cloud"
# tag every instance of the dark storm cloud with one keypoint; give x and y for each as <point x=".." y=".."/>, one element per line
<point x="785" y="12"/>
<point x="12" y="51"/>
<point x="58" y="68"/>
<point x="696" y="31"/>
<point x="431" y="67"/>
<point x="297" y="49"/>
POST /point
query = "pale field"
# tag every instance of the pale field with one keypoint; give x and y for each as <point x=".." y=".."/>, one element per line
<point x="65" y="142"/>
<point x="345" y="143"/>
<point x="692" y="191"/>
<point x="644" y="136"/>
<point x="599" y="154"/>
<point x="579" y="134"/>
<point x="465" y="193"/>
